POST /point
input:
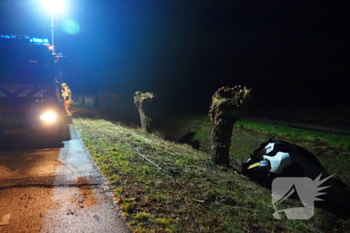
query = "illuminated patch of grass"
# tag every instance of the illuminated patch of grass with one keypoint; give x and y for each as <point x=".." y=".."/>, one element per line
<point x="142" y="216"/>
<point x="199" y="134"/>
<point x="334" y="140"/>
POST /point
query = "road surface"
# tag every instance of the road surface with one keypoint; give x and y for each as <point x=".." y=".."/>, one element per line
<point x="55" y="190"/>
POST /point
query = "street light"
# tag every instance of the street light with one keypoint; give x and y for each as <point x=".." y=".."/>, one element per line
<point x="53" y="6"/>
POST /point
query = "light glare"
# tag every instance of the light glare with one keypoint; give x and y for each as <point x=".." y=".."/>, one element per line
<point x="54" y="6"/>
<point x="48" y="117"/>
<point x="71" y="27"/>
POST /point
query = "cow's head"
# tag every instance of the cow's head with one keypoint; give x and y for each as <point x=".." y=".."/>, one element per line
<point x="258" y="154"/>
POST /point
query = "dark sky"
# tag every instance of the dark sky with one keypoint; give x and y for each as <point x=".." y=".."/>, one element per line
<point x="287" y="51"/>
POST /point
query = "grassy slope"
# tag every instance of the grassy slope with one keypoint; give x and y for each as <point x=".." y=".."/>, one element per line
<point x="167" y="187"/>
<point x="332" y="150"/>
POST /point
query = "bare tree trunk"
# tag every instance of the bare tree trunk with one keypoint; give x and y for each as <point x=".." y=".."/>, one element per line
<point x="221" y="141"/>
<point x="144" y="119"/>
<point x="225" y="110"/>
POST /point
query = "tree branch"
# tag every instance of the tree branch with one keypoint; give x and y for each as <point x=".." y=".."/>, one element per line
<point x="151" y="162"/>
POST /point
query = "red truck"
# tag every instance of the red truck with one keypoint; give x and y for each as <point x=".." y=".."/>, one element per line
<point x="30" y="94"/>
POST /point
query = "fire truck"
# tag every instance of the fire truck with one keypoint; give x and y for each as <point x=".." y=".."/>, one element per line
<point x="30" y="93"/>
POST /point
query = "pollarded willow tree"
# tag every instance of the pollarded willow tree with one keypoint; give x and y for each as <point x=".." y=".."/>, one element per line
<point x="226" y="108"/>
<point x="139" y="97"/>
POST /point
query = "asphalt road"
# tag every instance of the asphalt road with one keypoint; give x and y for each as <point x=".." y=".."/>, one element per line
<point x="55" y="190"/>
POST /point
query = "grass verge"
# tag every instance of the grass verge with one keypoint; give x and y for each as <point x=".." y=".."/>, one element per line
<point x="162" y="186"/>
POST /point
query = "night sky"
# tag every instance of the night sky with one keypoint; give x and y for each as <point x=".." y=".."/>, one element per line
<point x="290" y="52"/>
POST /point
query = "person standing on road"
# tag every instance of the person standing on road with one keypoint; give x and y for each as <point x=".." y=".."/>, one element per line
<point x="67" y="98"/>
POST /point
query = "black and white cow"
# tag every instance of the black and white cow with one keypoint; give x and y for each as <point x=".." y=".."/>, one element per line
<point x="278" y="158"/>
<point x="286" y="159"/>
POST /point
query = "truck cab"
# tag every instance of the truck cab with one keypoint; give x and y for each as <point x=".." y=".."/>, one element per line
<point x="30" y="94"/>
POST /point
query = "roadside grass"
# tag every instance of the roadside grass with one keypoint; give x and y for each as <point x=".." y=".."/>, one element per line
<point x="163" y="186"/>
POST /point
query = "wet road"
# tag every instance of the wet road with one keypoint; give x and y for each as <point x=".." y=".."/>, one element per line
<point x="55" y="190"/>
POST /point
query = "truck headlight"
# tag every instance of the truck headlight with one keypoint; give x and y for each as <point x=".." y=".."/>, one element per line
<point x="48" y="117"/>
